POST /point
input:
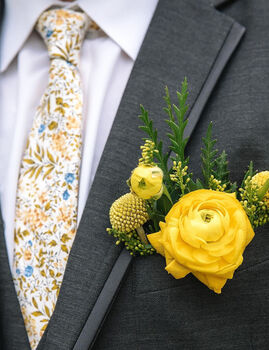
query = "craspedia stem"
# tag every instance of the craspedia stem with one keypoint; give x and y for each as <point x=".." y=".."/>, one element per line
<point x="142" y="234"/>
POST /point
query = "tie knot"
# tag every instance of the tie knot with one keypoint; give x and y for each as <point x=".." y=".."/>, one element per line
<point x="63" y="32"/>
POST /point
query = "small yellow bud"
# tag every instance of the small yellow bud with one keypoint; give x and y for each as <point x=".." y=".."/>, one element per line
<point x="147" y="181"/>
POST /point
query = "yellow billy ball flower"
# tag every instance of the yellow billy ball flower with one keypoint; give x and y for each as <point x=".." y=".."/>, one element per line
<point x="147" y="181"/>
<point x="128" y="213"/>
<point x="259" y="180"/>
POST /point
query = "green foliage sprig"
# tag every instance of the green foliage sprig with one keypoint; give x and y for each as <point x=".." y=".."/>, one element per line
<point x="178" y="181"/>
<point x="161" y="157"/>
<point x="177" y="123"/>
<point x="214" y="166"/>
<point x="256" y="208"/>
<point x="208" y="156"/>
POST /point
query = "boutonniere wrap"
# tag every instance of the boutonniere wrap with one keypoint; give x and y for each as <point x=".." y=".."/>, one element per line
<point x="200" y="226"/>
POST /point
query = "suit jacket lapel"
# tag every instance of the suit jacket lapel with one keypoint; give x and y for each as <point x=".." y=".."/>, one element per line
<point x="185" y="38"/>
<point x="219" y="3"/>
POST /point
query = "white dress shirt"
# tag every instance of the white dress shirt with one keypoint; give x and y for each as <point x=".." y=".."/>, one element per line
<point x="106" y="64"/>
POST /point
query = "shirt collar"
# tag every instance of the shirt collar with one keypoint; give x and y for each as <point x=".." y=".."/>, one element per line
<point x="124" y="21"/>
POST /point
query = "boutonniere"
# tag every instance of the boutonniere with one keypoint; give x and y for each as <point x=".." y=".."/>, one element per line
<point x="200" y="226"/>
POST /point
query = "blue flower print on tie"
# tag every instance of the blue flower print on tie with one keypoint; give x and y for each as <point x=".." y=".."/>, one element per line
<point x="41" y="128"/>
<point x="66" y="195"/>
<point x="49" y="33"/>
<point x="69" y="178"/>
<point x="18" y="271"/>
<point x="30" y="243"/>
<point x="28" y="271"/>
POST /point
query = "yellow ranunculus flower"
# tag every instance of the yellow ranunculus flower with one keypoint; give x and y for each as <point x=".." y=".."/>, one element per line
<point x="205" y="233"/>
<point x="147" y="181"/>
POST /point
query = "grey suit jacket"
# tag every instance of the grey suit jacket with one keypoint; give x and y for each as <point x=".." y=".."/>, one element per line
<point x="228" y="70"/>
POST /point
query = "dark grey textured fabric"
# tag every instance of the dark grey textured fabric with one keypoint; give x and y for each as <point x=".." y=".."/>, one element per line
<point x="158" y="312"/>
<point x="153" y="310"/>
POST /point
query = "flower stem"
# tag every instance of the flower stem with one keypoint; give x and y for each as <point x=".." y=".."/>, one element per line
<point x="167" y="194"/>
<point x="142" y="234"/>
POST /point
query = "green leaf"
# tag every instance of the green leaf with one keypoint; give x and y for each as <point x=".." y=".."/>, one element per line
<point x="222" y="172"/>
<point x="250" y="172"/>
<point x="208" y="156"/>
<point x="177" y="122"/>
<point x="233" y="187"/>
<point x="194" y="186"/>
<point x="163" y="205"/>
<point x="216" y="165"/>
<point x="199" y="184"/>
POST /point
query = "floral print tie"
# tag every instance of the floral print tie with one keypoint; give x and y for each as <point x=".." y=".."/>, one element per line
<point x="47" y="194"/>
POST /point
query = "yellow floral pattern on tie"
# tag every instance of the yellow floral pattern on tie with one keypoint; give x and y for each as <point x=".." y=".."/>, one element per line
<point x="47" y="194"/>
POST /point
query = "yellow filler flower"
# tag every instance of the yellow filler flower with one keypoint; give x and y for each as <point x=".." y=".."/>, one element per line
<point x="147" y="182"/>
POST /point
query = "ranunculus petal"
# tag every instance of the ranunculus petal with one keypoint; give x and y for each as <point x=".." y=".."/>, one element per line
<point x="212" y="282"/>
<point x="212" y="268"/>
<point x="187" y="235"/>
<point x="154" y="239"/>
<point x="250" y="232"/>
<point x="202" y="257"/>
<point x="216" y="248"/>
<point x="221" y="251"/>
<point x="177" y="270"/>
<point x="239" y="246"/>
<point x="168" y="257"/>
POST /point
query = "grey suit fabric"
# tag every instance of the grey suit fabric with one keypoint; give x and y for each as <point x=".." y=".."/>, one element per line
<point x="158" y="312"/>
<point x="153" y="310"/>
